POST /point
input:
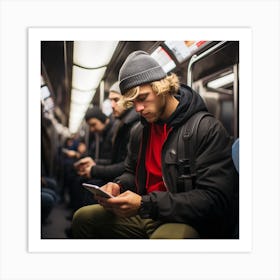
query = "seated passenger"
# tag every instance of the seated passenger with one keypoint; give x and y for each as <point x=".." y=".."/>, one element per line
<point x="67" y="160"/>
<point x="158" y="196"/>
<point x="79" y="153"/>
<point x="103" y="126"/>
<point x="49" y="197"/>
<point x="106" y="171"/>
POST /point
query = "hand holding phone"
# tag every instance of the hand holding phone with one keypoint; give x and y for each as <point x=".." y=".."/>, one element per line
<point x="96" y="190"/>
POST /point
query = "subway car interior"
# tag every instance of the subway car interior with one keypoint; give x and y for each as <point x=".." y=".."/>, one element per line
<point x="75" y="75"/>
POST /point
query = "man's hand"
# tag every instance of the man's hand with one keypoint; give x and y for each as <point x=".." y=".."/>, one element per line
<point x="111" y="188"/>
<point x="124" y="205"/>
<point x="84" y="165"/>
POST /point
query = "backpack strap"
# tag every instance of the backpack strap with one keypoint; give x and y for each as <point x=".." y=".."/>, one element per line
<point x="186" y="151"/>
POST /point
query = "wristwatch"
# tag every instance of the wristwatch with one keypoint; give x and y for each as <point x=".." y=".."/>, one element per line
<point x="145" y="208"/>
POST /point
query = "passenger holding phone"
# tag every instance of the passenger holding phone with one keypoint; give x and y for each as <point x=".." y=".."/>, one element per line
<point x="158" y="196"/>
<point x="106" y="170"/>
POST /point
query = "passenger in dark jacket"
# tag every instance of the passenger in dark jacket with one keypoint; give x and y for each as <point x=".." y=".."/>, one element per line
<point x="103" y="126"/>
<point x="99" y="125"/>
<point x="107" y="170"/>
<point x="150" y="201"/>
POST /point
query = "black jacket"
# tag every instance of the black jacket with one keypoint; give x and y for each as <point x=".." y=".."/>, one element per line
<point x="109" y="170"/>
<point x="210" y="205"/>
<point x="105" y="142"/>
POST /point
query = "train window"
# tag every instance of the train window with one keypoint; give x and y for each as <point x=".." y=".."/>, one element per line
<point x="163" y="59"/>
<point x="46" y="99"/>
<point x="217" y="90"/>
<point x="225" y="81"/>
<point x="45" y="93"/>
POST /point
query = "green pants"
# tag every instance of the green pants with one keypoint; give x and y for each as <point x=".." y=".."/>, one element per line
<point x="95" y="222"/>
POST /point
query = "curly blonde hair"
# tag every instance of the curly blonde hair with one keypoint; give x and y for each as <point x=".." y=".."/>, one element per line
<point x="169" y="85"/>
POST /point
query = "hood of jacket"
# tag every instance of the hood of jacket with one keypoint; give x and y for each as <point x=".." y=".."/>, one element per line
<point x="190" y="103"/>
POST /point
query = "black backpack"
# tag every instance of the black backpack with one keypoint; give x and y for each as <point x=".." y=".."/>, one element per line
<point x="186" y="149"/>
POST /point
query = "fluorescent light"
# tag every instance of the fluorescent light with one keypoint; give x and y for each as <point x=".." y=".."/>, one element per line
<point x="79" y="104"/>
<point x="77" y="109"/>
<point x="81" y="97"/>
<point x="73" y="127"/>
<point x="93" y="54"/>
<point x="77" y="112"/>
<point x="220" y="82"/>
<point x="87" y="55"/>
<point x="84" y="79"/>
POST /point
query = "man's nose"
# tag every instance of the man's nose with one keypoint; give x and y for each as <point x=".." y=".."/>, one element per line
<point x="138" y="106"/>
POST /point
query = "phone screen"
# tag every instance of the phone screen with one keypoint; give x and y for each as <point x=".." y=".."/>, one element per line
<point x="96" y="190"/>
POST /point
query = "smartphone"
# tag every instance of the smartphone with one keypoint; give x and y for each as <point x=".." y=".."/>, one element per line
<point x="96" y="190"/>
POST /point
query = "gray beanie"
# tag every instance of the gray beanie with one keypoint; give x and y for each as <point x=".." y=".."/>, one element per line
<point x="115" y="87"/>
<point x="139" y="68"/>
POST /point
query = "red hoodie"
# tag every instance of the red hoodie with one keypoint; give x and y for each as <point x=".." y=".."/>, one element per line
<point x="158" y="135"/>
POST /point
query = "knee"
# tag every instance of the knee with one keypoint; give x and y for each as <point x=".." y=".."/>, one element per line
<point x="86" y="214"/>
<point x="80" y="215"/>
<point x="86" y="220"/>
<point x="80" y="220"/>
<point x="174" y="231"/>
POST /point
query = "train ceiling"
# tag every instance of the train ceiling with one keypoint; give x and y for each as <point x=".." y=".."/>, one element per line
<point x="63" y="62"/>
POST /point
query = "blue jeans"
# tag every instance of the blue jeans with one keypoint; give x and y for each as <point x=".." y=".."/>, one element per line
<point x="48" y="200"/>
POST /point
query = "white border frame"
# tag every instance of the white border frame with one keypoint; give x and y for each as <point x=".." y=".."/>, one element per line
<point x="244" y="36"/>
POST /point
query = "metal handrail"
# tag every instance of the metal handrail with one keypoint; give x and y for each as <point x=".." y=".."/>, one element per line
<point x="196" y="58"/>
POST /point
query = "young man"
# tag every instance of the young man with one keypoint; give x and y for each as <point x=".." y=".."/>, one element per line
<point x="103" y="126"/>
<point x="157" y="196"/>
<point x="108" y="170"/>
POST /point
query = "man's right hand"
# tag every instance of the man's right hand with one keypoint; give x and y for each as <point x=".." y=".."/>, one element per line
<point x="111" y="188"/>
